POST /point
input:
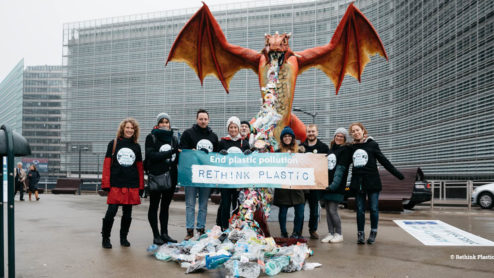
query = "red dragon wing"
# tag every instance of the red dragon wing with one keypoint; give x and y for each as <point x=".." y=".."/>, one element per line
<point x="203" y="46"/>
<point x="354" y="40"/>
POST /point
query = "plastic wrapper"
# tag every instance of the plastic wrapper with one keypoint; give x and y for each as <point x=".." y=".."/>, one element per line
<point x="196" y="267"/>
<point x="213" y="262"/>
<point x="311" y="266"/>
<point x="246" y="270"/>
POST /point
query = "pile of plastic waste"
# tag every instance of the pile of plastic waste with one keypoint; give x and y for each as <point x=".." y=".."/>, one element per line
<point x="242" y="250"/>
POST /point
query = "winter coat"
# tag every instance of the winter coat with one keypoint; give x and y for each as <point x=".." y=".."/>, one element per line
<point x="33" y="180"/>
<point x="21" y="178"/>
<point x="339" y="160"/>
<point x="288" y="197"/>
<point x="227" y="143"/>
<point x="123" y="174"/>
<point x="365" y="175"/>
<point x="199" y="138"/>
<point x="162" y="153"/>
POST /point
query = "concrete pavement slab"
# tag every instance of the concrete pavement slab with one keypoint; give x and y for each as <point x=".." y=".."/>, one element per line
<point x="59" y="236"/>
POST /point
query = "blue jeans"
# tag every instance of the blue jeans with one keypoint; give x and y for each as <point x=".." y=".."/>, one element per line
<point x="374" y="209"/>
<point x="191" y="194"/>
<point x="298" y="222"/>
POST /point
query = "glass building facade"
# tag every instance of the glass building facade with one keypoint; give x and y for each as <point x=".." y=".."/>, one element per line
<point x="11" y="98"/>
<point x="430" y="105"/>
<point x="42" y="114"/>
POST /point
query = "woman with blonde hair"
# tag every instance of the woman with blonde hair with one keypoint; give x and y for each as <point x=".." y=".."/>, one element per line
<point x="365" y="178"/>
<point x="122" y="178"/>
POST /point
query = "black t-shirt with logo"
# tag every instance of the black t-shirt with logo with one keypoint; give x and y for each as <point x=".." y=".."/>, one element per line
<point x="123" y="170"/>
<point x="199" y="138"/>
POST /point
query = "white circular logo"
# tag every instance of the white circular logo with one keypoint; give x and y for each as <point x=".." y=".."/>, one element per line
<point x="167" y="147"/>
<point x="234" y="150"/>
<point x="331" y="161"/>
<point x="314" y="151"/>
<point x="360" y="158"/>
<point x="126" y="157"/>
<point x="204" y="144"/>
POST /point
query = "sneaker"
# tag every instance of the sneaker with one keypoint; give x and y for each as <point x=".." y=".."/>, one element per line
<point x="337" y="238"/>
<point x="327" y="238"/>
<point x="314" y="235"/>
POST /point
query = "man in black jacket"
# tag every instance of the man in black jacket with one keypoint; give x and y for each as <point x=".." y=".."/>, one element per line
<point x="198" y="137"/>
<point x="313" y="145"/>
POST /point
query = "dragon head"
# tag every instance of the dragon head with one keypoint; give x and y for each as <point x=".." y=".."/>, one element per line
<point x="276" y="43"/>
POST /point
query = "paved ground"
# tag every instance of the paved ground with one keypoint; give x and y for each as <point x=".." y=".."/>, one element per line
<point x="59" y="236"/>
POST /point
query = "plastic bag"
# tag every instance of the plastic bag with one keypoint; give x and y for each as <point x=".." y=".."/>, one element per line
<point x="246" y="270"/>
<point x="276" y="264"/>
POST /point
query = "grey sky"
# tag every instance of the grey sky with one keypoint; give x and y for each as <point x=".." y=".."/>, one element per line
<point x="32" y="29"/>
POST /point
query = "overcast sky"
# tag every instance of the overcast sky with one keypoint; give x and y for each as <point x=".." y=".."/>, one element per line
<point x="32" y="29"/>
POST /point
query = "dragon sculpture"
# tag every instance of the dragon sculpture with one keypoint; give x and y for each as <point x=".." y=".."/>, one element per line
<point x="203" y="46"/>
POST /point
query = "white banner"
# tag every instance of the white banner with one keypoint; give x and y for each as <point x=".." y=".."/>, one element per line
<point x="252" y="175"/>
<point x="438" y="233"/>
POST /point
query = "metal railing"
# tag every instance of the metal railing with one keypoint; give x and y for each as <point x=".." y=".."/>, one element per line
<point x="453" y="192"/>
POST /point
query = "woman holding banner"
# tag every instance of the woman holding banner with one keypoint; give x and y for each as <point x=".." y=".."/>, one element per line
<point x="285" y="198"/>
<point x="365" y="178"/>
<point x="161" y="161"/>
<point x="339" y="159"/>
<point x="232" y="143"/>
<point x="122" y="178"/>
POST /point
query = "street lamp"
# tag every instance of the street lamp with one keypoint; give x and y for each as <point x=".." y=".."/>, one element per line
<point x="80" y="150"/>
<point x="307" y="113"/>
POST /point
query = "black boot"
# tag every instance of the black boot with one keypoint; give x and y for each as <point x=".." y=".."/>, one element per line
<point x="360" y="238"/>
<point x="166" y="238"/>
<point x="124" y="231"/>
<point x="106" y="232"/>
<point x="190" y="234"/>
<point x="158" y="240"/>
<point x="372" y="237"/>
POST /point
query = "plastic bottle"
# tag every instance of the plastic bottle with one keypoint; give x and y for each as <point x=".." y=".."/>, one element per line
<point x="274" y="266"/>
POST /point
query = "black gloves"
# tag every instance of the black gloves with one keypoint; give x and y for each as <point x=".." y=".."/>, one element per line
<point x="247" y="152"/>
<point x="223" y="152"/>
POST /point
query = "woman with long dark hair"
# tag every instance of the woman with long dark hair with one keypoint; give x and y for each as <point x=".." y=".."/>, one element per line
<point x="122" y="178"/>
<point x="365" y="178"/>
<point x="161" y="157"/>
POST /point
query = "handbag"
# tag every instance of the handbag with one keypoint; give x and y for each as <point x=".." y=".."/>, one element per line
<point x="160" y="183"/>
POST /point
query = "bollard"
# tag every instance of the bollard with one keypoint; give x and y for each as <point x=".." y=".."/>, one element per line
<point x="432" y="196"/>
<point x="469" y="194"/>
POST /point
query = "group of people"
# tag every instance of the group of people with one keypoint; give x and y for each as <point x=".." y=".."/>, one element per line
<point x="26" y="181"/>
<point x="123" y="177"/>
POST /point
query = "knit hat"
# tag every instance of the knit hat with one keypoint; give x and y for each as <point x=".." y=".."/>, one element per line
<point x="162" y="116"/>
<point x="245" y="122"/>
<point x="287" y="130"/>
<point x="233" y="120"/>
<point x="343" y="131"/>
